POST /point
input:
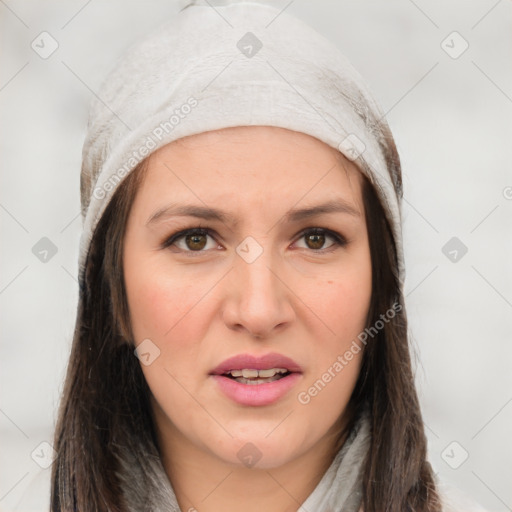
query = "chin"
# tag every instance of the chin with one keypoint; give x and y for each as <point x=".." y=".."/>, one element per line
<point x="259" y="452"/>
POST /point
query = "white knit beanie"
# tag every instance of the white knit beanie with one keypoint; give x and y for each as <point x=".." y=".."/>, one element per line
<point x="225" y="64"/>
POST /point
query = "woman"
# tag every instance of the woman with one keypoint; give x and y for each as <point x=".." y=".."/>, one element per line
<point x="241" y="338"/>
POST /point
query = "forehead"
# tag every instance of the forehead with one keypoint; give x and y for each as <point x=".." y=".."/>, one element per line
<point x="256" y="164"/>
<point x="246" y="147"/>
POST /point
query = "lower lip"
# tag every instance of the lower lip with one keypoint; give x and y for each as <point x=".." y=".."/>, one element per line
<point x="256" y="394"/>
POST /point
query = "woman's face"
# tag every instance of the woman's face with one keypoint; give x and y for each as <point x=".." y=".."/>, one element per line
<point x="257" y="281"/>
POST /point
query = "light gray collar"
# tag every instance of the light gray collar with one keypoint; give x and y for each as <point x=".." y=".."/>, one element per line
<point x="146" y="486"/>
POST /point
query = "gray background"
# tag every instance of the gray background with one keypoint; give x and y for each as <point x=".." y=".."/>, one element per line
<point x="452" y="121"/>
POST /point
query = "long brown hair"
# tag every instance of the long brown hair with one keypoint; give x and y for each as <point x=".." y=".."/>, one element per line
<point x="105" y="402"/>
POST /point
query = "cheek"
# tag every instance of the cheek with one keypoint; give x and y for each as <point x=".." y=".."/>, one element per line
<point x="170" y="308"/>
<point x="327" y="389"/>
<point x="343" y="306"/>
<point x="160" y="301"/>
<point x="166" y="309"/>
<point x="341" y="300"/>
<point x="346" y="306"/>
<point x="342" y="303"/>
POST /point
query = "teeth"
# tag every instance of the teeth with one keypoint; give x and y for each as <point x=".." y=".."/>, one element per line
<point x="249" y="374"/>
<point x="252" y="382"/>
<point x="271" y="372"/>
<point x="254" y="374"/>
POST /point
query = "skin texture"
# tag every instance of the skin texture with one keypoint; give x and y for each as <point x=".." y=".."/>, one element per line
<point x="305" y="298"/>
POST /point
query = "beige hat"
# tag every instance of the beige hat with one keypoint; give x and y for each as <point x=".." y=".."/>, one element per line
<point x="238" y="63"/>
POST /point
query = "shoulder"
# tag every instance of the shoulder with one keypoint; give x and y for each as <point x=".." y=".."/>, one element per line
<point x="454" y="500"/>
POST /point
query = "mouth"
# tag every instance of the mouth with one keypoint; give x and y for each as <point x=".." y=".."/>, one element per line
<point x="249" y="367"/>
<point x="257" y="380"/>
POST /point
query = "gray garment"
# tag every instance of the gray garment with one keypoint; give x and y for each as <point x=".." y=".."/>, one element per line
<point x="146" y="486"/>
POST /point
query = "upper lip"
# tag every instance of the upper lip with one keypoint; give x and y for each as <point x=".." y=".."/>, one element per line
<point x="250" y="362"/>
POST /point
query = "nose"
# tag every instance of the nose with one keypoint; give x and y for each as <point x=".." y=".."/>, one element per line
<point x="259" y="301"/>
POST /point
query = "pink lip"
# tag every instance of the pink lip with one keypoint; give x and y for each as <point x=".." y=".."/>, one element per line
<point x="256" y="394"/>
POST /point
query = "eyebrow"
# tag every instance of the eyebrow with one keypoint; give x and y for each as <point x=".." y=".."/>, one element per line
<point x="208" y="213"/>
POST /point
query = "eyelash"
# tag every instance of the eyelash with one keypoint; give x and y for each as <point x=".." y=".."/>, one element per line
<point x="339" y="240"/>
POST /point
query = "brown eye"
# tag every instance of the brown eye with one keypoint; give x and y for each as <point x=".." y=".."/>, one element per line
<point x="316" y="238"/>
<point x="315" y="241"/>
<point x="190" y="240"/>
<point x="196" y="242"/>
